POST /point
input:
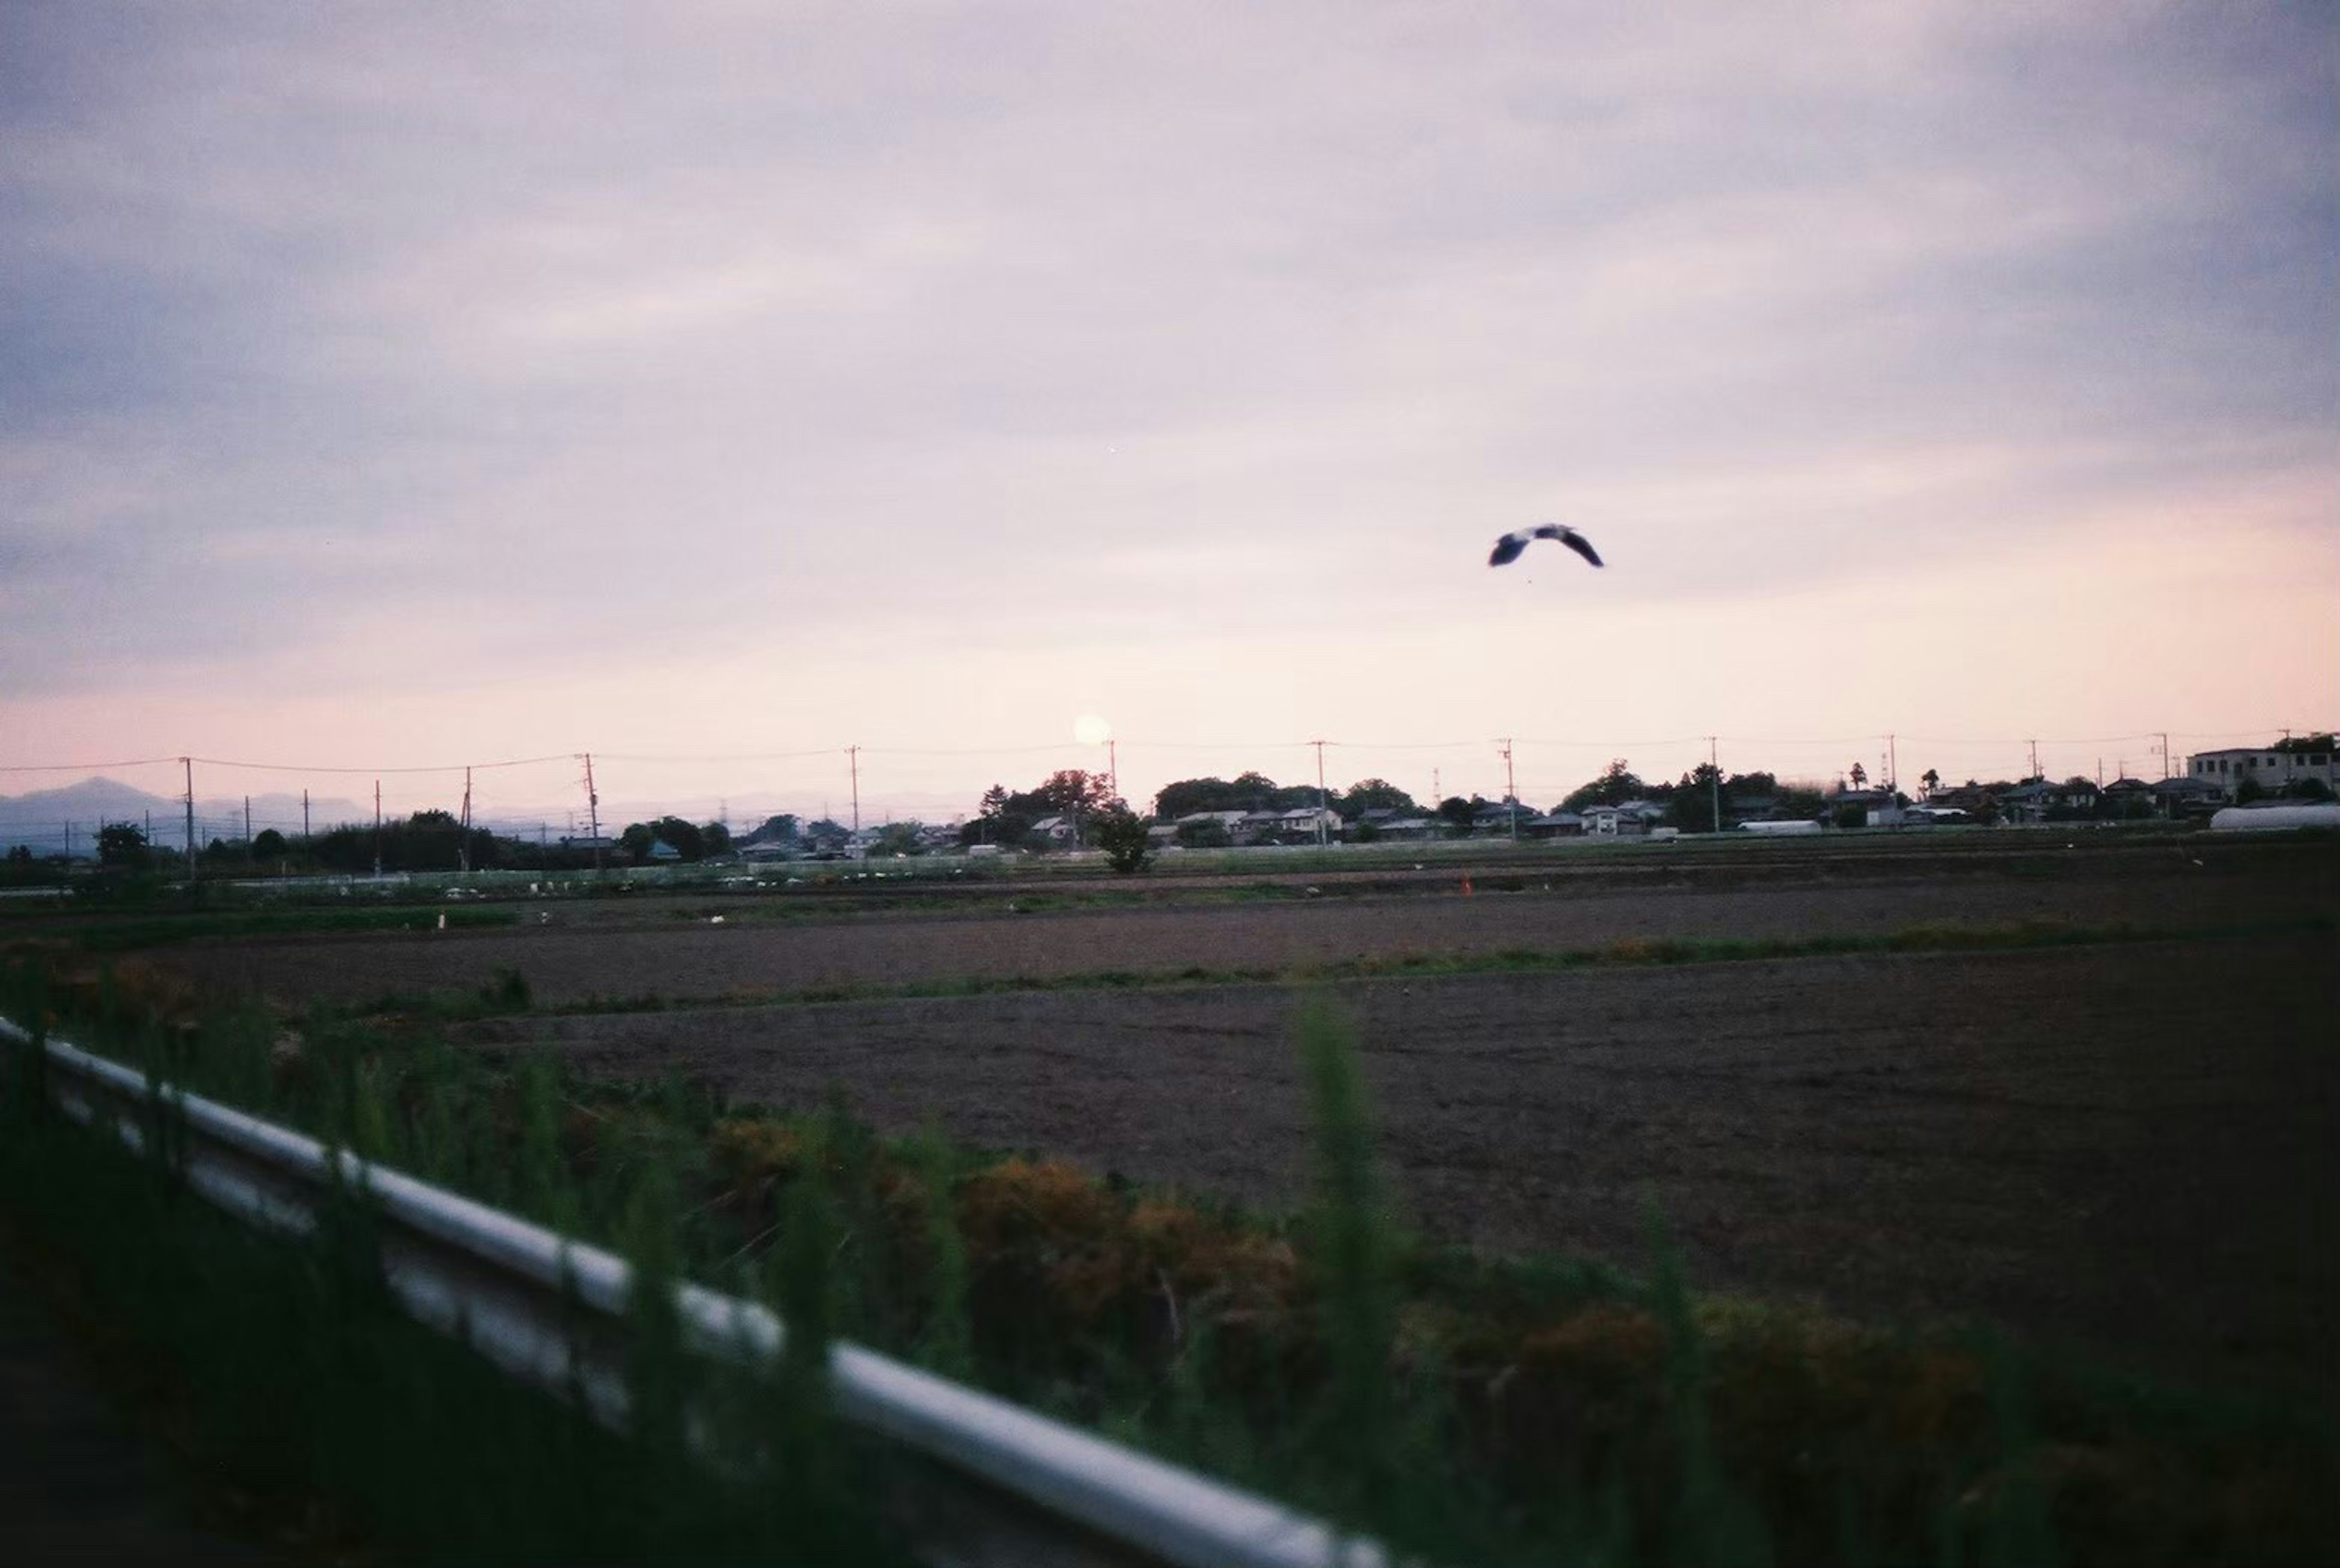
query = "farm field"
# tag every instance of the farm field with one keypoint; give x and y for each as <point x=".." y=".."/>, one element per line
<point x="667" y="947"/>
<point x="2122" y="1144"/>
<point x="2128" y="1146"/>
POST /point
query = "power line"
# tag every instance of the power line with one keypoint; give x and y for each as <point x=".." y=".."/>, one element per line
<point x="376" y="772"/>
<point x="84" y="766"/>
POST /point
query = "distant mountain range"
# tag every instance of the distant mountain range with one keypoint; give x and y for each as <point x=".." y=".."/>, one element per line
<point x="66" y="821"/>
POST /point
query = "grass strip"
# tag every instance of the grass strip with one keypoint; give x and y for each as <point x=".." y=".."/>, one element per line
<point x="309" y="1413"/>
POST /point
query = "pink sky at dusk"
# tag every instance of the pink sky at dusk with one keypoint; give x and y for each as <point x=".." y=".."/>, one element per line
<point x="694" y="385"/>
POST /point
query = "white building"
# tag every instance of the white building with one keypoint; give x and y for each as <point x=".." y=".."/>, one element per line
<point x="2275" y="767"/>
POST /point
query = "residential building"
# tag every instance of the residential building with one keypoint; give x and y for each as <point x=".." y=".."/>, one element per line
<point x="1631" y="818"/>
<point x="2274" y="768"/>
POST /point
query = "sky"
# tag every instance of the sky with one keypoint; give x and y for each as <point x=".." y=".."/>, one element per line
<point x="713" y="386"/>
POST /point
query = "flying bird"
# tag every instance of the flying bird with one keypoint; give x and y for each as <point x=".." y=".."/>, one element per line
<point x="1508" y="548"/>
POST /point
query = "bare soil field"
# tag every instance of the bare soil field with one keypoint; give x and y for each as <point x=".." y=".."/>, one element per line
<point x="2131" y="1148"/>
<point x="668" y="947"/>
<point x="2134" y="1146"/>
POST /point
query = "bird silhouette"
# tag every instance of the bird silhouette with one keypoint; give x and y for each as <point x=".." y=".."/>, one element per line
<point x="1508" y="548"/>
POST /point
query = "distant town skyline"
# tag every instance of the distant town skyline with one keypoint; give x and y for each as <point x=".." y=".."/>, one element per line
<point x="390" y="387"/>
<point x="510" y="798"/>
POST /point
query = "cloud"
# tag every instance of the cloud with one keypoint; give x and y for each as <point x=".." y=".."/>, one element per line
<point x="653" y="339"/>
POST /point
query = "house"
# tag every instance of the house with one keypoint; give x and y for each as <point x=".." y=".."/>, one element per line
<point x="1555" y="825"/>
<point x="1630" y="819"/>
<point x="1388" y="822"/>
<point x="2037" y="801"/>
<point x="1257" y="826"/>
<point x="2188" y="796"/>
<point x="1876" y="807"/>
<point x="2027" y="802"/>
<point x="1052" y="831"/>
<point x="1500" y="817"/>
<point x="664" y="852"/>
<point x="1311" y="821"/>
<point x="2274" y="768"/>
<point x="2128" y="800"/>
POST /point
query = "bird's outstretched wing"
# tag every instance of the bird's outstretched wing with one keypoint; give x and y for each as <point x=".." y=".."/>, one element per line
<point x="1508" y="548"/>
<point x="1579" y="543"/>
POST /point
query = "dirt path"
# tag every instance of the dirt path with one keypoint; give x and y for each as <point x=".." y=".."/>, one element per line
<point x="564" y="962"/>
<point x="2131" y="1146"/>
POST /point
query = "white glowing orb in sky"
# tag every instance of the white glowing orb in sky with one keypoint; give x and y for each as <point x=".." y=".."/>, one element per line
<point x="1091" y="731"/>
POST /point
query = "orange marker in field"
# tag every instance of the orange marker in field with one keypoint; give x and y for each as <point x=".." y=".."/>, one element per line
<point x="1467" y="884"/>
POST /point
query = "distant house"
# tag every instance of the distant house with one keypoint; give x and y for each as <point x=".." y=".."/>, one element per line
<point x="1257" y="826"/>
<point x="1388" y="822"/>
<point x="2128" y="800"/>
<point x="2038" y="801"/>
<point x="662" y="851"/>
<point x="1053" y="829"/>
<point x="2274" y="768"/>
<point x="2188" y="796"/>
<point x="1630" y="819"/>
<point x="1878" y="808"/>
<point x="2027" y="802"/>
<point x="1302" y="822"/>
<point x="1554" y="824"/>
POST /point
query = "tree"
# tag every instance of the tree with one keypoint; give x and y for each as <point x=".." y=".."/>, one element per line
<point x="1372" y="795"/>
<point x="1860" y="776"/>
<point x="1616" y="784"/>
<point x="1691" y="805"/>
<point x="780" y="830"/>
<point x="1187" y="796"/>
<point x="1460" y="813"/>
<point x="898" y="838"/>
<point x="268" y="845"/>
<point x="994" y="801"/>
<point x="122" y="844"/>
<point x="1208" y="834"/>
<point x="715" y="838"/>
<point x="685" y="839"/>
<point x="2310" y="790"/>
<point x="1073" y="791"/>
<point x="1122" y="834"/>
<point x="636" y="840"/>
<point x="1932" y="780"/>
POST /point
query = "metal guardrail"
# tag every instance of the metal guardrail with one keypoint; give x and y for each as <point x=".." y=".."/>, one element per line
<point x="1010" y="1486"/>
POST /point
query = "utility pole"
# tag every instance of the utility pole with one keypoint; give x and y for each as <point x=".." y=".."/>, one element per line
<point x="2165" y="755"/>
<point x="1321" y="807"/>
<point x="593" y="811"/>
<point x="1436" y="795"/>
<point x="2035" y="757"/>
<point x="1714" y="778"/>
<point x="1510" y="789"/>
<point x="463" y="845"/>
<point x="188" y="763"/>
<point x="853" y="760"/>
<point x="377" y="827"/>
<point x="304" y="814"/>
<point x="1113" y="766"/>
<point x="1892" y="766"/>
<point x="247" y="823"/>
